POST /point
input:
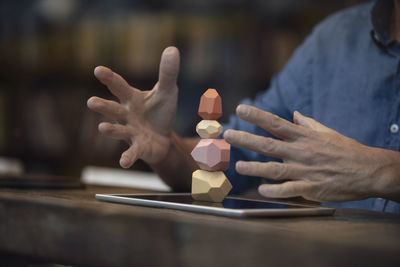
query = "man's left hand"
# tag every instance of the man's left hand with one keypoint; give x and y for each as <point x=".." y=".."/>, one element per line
<point x="318" y="164"/>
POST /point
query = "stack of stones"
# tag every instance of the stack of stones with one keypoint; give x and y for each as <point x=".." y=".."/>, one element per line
<point x="212" y="155"/>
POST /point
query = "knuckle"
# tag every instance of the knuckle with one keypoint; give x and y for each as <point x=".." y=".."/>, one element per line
<point x="308" y="154"/>
<point x="275" y="122"/>
<point x="278" y="171"/>
<point x="267" y="145"/>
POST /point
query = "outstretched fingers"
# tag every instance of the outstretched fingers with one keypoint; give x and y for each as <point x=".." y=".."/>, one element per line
<point x="260" y="144"/>
<point x="310" y="123"/>
<point x="286" y="189"/>
<point x="115" y="83"/>
<point x="108" y="108"/>
<point x="169" y="69"/>
<point x="129" y="156"/>
<point x="116" y="131"/>
<point x="272" y="123"/>
<point x="127" y="134"/>
<point x="272" y="170"/>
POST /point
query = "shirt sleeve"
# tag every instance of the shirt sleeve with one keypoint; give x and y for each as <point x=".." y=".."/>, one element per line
<point x="289" y="91"/>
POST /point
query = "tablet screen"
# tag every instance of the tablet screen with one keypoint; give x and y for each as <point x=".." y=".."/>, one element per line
<point x="230" y="203"/>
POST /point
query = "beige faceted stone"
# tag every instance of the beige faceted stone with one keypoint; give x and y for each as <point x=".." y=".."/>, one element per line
<point x="209" y="129"/>
<point x="210" y="186"/>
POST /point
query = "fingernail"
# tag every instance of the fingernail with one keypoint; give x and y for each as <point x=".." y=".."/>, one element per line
<point x="242" y="110"/>
<point x="103" y="73"/>
<point x="297" y="117"/>
<point x="263" y="190"/>
<point x="97" y="70"/>
<point x="102" y="127"/>
<point x="124" y="162"/>
<point x="227" y="134"/>
<point x="297" y="113"/>
<point x="170" y="50"/>
<point x="241" y="166"/>
<point x="89" y="103"/>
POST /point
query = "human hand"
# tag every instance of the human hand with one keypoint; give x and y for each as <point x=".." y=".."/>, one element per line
<point x="322" y="164"/>
<point x="144" y="118"/>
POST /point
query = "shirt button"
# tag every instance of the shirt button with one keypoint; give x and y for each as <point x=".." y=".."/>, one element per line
<point x="394" y="128"/>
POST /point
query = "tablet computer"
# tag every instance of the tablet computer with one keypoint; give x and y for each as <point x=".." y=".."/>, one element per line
<point x="230" y="206"/>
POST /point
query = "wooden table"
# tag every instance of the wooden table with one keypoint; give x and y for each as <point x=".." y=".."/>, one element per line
<point x="71" y="227"/>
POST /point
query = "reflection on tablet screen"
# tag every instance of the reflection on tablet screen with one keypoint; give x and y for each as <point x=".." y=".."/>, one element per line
<point x="227" y="203"/>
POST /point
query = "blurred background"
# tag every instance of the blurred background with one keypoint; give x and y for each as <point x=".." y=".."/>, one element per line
<point x="49" y="48"/>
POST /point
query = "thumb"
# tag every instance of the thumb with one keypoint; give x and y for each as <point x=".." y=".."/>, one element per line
<point x="308" y="122"/>
<point x="169" y="68"/>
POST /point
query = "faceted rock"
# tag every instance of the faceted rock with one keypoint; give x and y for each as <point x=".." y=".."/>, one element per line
<point x="209" y="129"/>
<point x="212" y="154"/>
<point x="210" y="186"/>
<point x="210" y="107"/>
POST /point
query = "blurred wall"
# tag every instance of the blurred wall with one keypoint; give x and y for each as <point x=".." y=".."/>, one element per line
<point x="49" y="48"/>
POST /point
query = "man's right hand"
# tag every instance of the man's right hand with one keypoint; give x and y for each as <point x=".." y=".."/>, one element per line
<point x="144" y="118"/>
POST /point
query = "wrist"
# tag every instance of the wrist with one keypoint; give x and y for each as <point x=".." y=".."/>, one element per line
<point x="177" y="166"/>
<point x="167" y="149"/>
<point x="387" y="184"/>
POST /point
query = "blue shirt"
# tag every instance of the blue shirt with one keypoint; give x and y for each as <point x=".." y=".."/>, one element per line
<point x="346" y="76"/>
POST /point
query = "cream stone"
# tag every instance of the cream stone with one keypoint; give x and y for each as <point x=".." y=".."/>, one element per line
<point x="209" y="129"/>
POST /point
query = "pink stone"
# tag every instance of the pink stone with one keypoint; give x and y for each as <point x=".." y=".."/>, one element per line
<point x="212" y="154"/>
